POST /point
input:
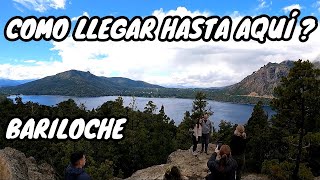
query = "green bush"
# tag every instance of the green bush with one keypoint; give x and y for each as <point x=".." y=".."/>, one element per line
<point x="283" y="170"/>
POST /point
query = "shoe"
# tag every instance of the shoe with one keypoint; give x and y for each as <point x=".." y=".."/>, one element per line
<point x="207" y="153"/>
<point x="201" y="151"/>
<point x="194" y="153"/>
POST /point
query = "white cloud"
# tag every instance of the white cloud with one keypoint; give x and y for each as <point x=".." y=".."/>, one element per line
<point x="201" y="64"/>
<point x="58" y="4"/>
<point x="180" y="11"/>
<point x="263" y="4"/>
<point x="30" y="61"/>
<point x="83" y="14"/>
<point x="42" y="5"/>
<point x="18" y="7"/>
<point x="291" y="7"/>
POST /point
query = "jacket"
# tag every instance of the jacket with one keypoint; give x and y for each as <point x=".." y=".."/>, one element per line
<point x="197" y="131"/>
<point x="238" y="145"/>
<point x="228" y="173"/>
<point x="73" y="173"/>
<point x="206" y="127"/>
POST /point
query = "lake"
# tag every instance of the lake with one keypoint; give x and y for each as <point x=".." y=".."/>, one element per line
<point x="174" y="107"/>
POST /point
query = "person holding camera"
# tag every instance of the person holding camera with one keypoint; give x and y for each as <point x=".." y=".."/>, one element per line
<point x="221" y="164"/>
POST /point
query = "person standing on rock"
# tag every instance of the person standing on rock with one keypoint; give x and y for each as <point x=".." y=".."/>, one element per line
<point x="238" y="146"/>
<point x="221" y="164"/>
<point x="196" y="136"/>
<point x="75" y="170"/>
<point x="206" y="132"/>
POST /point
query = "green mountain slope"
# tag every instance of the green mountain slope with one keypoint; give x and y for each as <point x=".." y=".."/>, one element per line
<point x="78" y="83"/>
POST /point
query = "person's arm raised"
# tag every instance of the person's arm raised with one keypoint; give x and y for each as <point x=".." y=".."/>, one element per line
<point x="212" y="163"/>
<point x="200" y="120"/>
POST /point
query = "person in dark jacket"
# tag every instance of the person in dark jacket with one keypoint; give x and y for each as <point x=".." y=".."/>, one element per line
<point x="238" y="147"/>
<point x="222" y="165"/>
<point x="75" y="170"/>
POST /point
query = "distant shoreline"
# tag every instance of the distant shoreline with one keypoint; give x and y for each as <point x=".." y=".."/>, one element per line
<point x="173" y="97"/>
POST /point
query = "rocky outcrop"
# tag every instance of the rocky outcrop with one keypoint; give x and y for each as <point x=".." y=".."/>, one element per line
<point x="263" y="81"/>
<point x="191" y="167"/>
<point x="14" y="165"/>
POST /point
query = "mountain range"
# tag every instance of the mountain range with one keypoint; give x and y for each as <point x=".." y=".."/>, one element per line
<point x="259" y="84"/>
<point x="78" y="83"/>
<point x="9" y="82"/>
<point x="262" y="82"/>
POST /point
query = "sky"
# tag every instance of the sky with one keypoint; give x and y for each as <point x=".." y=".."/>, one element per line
<point x="172" y="64"/>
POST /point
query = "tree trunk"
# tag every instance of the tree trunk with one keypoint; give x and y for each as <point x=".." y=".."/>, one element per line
<point x="301" y="133"/>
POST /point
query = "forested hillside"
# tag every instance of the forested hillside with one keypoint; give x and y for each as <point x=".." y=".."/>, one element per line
<point x="283" y="147"/>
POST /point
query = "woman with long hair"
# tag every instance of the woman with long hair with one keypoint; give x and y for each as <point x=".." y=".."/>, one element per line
<point x="221" y="164"/>
<point x="196" y="136"/>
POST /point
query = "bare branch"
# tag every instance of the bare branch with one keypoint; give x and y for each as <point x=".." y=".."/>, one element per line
<point x="292" y="159"/>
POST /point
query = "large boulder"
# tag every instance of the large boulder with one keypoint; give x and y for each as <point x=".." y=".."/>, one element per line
<point x="14" y="165"/>
<point x="191" y="167"/>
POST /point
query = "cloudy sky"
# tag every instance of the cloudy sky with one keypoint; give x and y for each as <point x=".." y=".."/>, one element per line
<point x="199" y="64"/>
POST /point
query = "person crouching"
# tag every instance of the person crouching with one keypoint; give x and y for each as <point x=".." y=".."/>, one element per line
<point x="222" y="165"/>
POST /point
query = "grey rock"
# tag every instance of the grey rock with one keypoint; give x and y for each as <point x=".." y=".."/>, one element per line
<point x="14" y="165"/>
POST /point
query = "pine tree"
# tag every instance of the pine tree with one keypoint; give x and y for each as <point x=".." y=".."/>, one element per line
<point x="258" y="120"/>
<point x="150" y="107"/>
<point x="257" y="131"/>
<point x="184" y="140"/>
<point x="199" y="106"/>
<point x="297" y="105"/>
<point x="163" y="115"/>
<point x="225" y="131"/>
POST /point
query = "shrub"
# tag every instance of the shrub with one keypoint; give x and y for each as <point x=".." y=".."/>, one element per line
<point x="283" y="170"/>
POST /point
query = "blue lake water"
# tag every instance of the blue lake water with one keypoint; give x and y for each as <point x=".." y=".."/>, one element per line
<point x="174" y="107"/>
